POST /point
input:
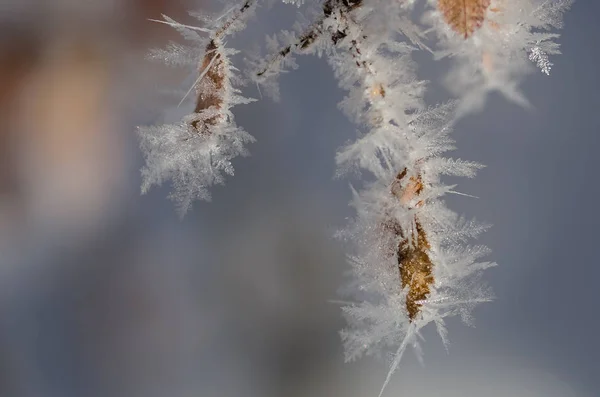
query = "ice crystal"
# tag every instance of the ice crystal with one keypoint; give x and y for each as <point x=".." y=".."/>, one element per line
<point x="540" y="58"/>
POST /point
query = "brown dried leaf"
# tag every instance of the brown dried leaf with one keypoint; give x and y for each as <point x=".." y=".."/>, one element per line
<point x="464" y="16"/>
<point x="210" y="92"/>
<point x="416" y="269"/>
<point x="414" y="264"/>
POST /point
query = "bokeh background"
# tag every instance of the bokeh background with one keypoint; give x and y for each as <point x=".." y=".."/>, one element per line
<point x="104" y="292"/>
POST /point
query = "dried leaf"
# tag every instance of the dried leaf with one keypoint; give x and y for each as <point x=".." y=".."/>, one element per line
<point x="414" y="264"/>
<point x="416" y="269"/>
<point x="210" y="93"/>
<point x="464" y="16"/>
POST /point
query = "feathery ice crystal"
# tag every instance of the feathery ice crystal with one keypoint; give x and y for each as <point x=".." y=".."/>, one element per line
<point x="413" y="262"/>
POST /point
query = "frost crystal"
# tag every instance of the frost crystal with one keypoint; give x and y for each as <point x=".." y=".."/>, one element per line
<point x="297" y="3"/>
<point x="540" y="58"/>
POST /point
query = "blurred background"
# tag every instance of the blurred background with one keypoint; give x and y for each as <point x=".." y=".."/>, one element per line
<point x="104" y="292"/>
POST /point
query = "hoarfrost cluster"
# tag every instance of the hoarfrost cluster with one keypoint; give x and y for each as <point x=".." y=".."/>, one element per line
<point x="413" y="259"/>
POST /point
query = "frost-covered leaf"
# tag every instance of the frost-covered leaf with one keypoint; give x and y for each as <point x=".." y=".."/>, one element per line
<point x="495" y="51"/>
<point x="196" y="152"/>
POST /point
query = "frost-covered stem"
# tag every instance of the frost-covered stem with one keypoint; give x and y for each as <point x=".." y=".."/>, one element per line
<point x="311" y="35"/>
<point x="414" y="264"/>
<point x="415" y="268"/>
<point x="303" y="43"/>
<point x="402" y="230"/>
<point x="224" y="30"/>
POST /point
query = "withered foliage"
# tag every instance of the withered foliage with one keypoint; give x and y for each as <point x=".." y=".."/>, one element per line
<point x="414" y="264"/>
<point x="464" y="16"/>
<point x="210" y="93"/>
<point x="210" y="88"/>
<point x="416" y="269"/>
